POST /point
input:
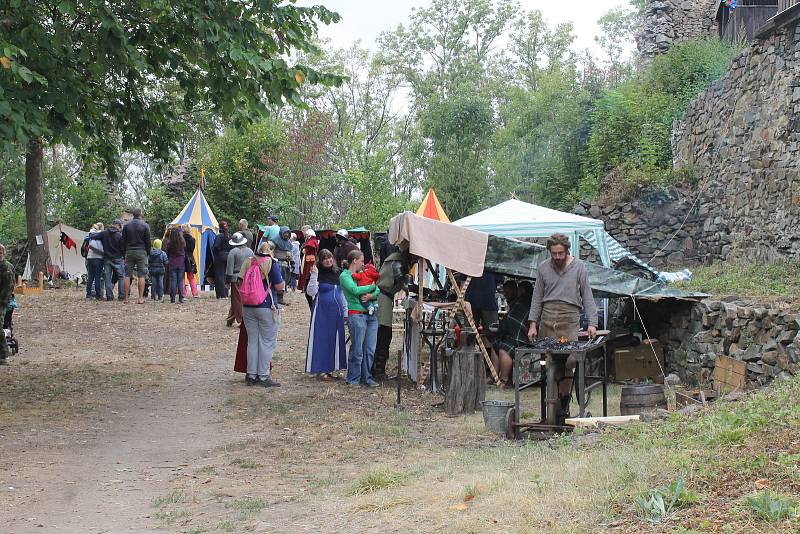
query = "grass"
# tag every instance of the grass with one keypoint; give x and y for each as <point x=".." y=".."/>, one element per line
<point x="780" y="279"/>
<point x="169" y="517"/>
<point x="378" y="480"/>
<point x="173" y="497"/>
<point x="245" y="463"/>
<point x="247" y="506"/>
<point x="380" y="428"/>
<point x="772" y="506"/>
<point x="226" y="526"/>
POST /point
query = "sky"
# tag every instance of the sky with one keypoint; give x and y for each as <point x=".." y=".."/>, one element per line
<point x="365" y="19"/>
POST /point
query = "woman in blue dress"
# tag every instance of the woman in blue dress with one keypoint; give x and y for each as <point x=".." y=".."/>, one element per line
<point x="326" y="351"/>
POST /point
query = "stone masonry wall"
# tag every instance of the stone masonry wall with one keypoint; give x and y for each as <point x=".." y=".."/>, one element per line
<point x="741" y="141"/>
<point x="667" y="22"/>
<point x="695" y="334"/>
<point x="742" y="137"/>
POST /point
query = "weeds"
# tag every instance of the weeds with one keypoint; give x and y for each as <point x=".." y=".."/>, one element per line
<point x="247" y="506"/>
<point x="168" y="517"/>
<point x="659" y="503"/>
<point x="245" y="463"/>
<point x="226" y="526"/>
<point x="173" y="497"/>
<point x="772" y="506"/>
<point x="377" y="480"/>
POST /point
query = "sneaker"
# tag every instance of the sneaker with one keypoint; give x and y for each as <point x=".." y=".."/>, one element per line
<point x="250" y="381"/>
<point x="268" y="383"/>
<point x="352" y="384"/>
<point x="371" y="384"/>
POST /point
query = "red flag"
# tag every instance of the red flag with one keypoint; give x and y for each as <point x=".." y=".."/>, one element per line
<point x="67" y="241"/>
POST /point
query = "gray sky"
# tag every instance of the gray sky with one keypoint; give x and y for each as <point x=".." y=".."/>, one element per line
<point x="366" y="19"/>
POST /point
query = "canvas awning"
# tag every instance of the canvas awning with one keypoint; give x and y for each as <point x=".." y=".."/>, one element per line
<point x="461" y="249"/>
<point x="515" y="218"/>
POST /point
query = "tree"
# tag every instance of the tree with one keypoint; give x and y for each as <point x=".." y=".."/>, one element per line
<point x="94" y="74"/>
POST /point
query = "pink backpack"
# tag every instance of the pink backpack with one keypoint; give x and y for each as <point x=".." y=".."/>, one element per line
<point x="252" y="291"/>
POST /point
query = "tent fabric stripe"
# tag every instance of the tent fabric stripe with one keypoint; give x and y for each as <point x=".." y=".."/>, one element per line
<point x="431" y="208"/>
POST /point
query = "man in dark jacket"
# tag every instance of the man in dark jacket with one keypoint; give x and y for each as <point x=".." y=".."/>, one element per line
<point x="113" y="259"/>
<point x="136" y="244"/>
<point x="393" y="278"/>
<point x="344" y="245"/>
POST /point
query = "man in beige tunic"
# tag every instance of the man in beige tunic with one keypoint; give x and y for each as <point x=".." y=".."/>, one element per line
<point x="561" y="292"/>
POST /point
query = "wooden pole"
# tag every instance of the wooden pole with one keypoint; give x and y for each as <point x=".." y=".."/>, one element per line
<point x="421" y="317"/>
<point x="460" y="294"/>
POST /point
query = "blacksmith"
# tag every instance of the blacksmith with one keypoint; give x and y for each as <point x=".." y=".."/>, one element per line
<point x="561" y="292"/>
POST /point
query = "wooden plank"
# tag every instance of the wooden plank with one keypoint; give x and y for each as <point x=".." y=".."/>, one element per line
<point x="592" y="422"/>
<point x="460" y="294"/>
<point x="730" y="374"/>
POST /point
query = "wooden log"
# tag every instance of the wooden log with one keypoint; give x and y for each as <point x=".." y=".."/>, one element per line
<point x="591" y="422"/>
<point x="466" y="387"/>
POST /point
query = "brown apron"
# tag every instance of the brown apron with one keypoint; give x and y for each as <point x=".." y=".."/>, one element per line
<point x="560" y="319"/>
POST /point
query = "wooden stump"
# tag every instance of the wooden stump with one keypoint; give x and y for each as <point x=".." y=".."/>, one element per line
<point x="466" y="385"/>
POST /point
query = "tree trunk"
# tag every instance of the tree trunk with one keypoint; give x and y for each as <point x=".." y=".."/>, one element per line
<point x="466" y="386"/>
<point x="34" y="208"/>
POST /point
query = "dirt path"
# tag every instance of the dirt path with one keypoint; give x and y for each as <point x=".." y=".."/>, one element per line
<point x="100" y="467"/>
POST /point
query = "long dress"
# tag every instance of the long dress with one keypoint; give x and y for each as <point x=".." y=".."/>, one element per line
<point x="326" y="350"/>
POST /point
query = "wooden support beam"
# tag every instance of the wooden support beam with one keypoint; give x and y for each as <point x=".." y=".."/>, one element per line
<point x="460" y="294"/>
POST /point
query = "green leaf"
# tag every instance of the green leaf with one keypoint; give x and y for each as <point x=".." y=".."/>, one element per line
<point x="67" y="7"/>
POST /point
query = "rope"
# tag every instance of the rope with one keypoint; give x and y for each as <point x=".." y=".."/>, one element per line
<point x="663" y="373"/>
<point x="699" y="194"/>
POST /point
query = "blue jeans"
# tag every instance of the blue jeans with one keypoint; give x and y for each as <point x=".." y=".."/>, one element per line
<point x="156" y="285"/>
<point x="94" y="283"/>
<point x="111" y="267"/>
<point x="176" y="282"/>
<point x="363" y="338"/>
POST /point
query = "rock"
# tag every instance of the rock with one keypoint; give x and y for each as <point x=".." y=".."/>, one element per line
<point x="787" y="337"/>
<point x="759" y="313"/>
<point x="587" y="440"/>
<point x="751" y="354"/>
<point x="734" y="396"/>
<point x="770" y="357"/>
<point x="755" y="368"/>
<point x="672" y="379"/>
<point x="731" y="312"/>
<point x="654" y="415"/>
<point x="690" y="409"/>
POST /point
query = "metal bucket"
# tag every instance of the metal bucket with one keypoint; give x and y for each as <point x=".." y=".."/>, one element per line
<point x="494" y="415"/>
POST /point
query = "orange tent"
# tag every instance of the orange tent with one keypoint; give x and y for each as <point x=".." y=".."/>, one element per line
<point x="432" y="208"/>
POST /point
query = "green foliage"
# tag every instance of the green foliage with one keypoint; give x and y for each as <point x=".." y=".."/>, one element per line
<point x="95" y="77"/>
<point x="161" y="208"/>
<point x="373" y="203"/>
<point x="778" y="279"/>
<point x="657" y="504"/>
<point x="377" y="480"/>
<point x="772" y="506"/>
<point x="632" y="123"/>
<point x="241" y="170"/>
<point x="460" y="130"/>
<point x="86" y="202"/>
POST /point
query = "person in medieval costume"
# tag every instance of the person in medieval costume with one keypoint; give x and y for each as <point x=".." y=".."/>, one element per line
<point x="326" y="350"/>
<point x="6" y="294"/>
<point x="310" y="247"/>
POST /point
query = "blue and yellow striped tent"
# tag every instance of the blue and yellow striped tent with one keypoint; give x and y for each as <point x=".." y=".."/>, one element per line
<point x="197" y="213"/>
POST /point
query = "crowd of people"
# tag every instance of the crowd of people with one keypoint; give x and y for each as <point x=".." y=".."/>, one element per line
<point x="341" y="290"/>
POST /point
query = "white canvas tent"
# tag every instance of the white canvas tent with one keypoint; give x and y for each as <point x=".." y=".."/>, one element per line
<point x="514" y="218"/>
<point x="68" y="260"/>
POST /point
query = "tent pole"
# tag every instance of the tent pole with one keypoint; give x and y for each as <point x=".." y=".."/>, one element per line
<point x="421" y="318"/>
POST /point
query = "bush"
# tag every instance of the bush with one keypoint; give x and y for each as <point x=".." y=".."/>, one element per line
<point x="632" y="123"/>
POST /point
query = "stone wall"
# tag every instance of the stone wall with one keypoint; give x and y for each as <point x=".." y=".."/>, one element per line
<point x="667" y="22"/>
<point x="742" y="139"/>
<point x="665" y="227"/>
<point x="695" y="334"/>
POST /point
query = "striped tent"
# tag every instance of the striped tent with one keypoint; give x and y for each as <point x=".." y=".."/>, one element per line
<point x="432" y="208"/>
<point x="197" y="214"/>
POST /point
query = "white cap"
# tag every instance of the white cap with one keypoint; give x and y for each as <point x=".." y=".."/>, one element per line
<point x="342" y="233"/>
